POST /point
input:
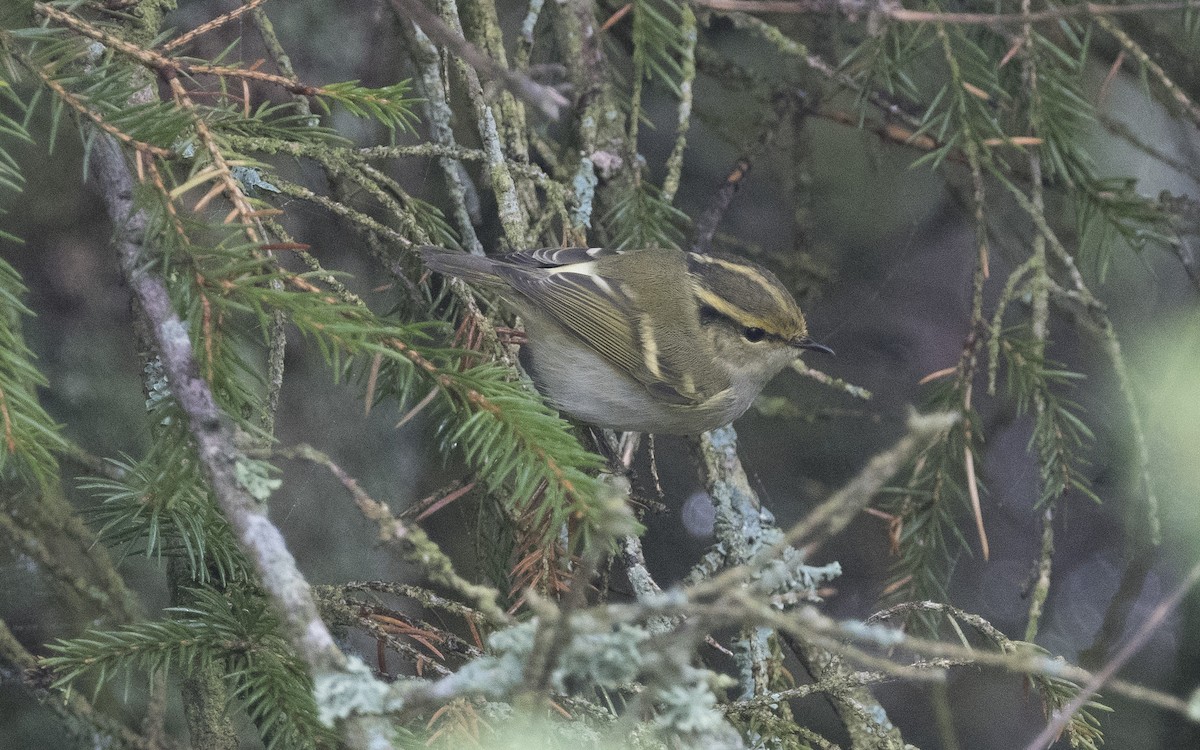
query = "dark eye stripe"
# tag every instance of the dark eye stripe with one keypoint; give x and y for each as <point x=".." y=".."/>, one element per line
<point x="753" y="334"/>
<point x="708" y="314"/>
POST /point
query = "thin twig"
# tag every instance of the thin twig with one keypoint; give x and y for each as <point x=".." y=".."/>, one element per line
<point x="894" y="12"/>
<point x="212" y="25"/>
<point x="419" y="547"/>
<point x="688" y="65"/>
<point x="706" y="225"/>
<point x="1143" y="634"/>
<point x="544" y="98"/>
<point x="441" y="130"/>
<point x="1145" y="60"/>
<point x="857" y="391"/>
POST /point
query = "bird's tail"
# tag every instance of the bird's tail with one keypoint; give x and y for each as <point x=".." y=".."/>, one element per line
<point x="476" y="269"/>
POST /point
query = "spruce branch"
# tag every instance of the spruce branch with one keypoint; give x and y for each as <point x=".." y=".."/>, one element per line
<point x="924" y="509"/>
<point x="1040" y="325"/>
<point x="391" y="628"/>
<point x="388" y="104"/>
<point x="80" y="106"/>
<point x="970" y="355"/>
<point x="1102" y="327"/>
<point x="516" y="442"/>
<point x="235" y="632"/>
<point x="266" y="31"/>
<point x="161" y="502"/>
<point x="514" y="216"/>
<point x="1022" y="658"/>
<point x="31" y="544"/>
<point x="29" y="438"/>
<point x="1055" y="691"/>
<point x="262" y="543"/>
<point x="82" y="719"/>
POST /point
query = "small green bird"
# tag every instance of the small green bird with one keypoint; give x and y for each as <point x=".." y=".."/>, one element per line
<point x="657" y="340"/>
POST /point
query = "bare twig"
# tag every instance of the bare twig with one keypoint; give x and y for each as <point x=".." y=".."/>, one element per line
<point x="641" y="580"/>
<point x="419" y="546"/>
<point x="675" y="160"/>
<point x="544" y="98"/>
<point x="1063" y="717"/>
<point x="706" y="225"/>
<point x="1146" y="61"/>
<point x="212" y="25"/>
<point x="857" y="391"/>
<point x="894" y="12"/>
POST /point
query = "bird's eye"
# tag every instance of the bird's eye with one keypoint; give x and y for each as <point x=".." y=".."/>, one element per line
<point x="753" y="335"/>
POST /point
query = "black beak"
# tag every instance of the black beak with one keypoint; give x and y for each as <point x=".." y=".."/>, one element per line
<point x="809" y="345"/>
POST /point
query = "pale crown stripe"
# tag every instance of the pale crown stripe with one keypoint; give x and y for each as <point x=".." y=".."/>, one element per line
<point x="750" y="273"/>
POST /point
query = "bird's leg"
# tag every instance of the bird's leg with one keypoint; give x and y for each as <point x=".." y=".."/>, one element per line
<point x="511" y="336"/>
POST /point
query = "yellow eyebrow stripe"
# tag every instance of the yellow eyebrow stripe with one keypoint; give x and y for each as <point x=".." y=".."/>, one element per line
<point x="731" y="311"/>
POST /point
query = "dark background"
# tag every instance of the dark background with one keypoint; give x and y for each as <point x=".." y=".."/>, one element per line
<point x="898" y="251"/>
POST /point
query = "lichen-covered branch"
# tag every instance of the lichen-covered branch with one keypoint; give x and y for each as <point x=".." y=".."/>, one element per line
<point x="261" y="541"/>
<point x="546" y="99"/>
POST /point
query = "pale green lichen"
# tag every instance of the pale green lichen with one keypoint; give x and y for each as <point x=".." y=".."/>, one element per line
<point x="252" y="180"/>
<point x="158" y="389"/>
<point x="787" y="574"/>
<point x="351" y="691"/>
<point x="598" y="656"/>
<point x="584" y="184"/>
<point x="255" y="478"/>
<point x="688" y="708"/>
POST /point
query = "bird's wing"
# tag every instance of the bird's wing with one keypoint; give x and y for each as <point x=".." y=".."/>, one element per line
<point x="554" y="257"/>
<point x="604" y="315"/>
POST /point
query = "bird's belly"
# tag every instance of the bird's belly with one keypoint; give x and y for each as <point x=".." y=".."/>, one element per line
<point x="584" y="385"/>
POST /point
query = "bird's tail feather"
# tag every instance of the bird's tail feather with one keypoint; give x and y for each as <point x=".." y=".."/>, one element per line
<point x="476" y="269"/>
